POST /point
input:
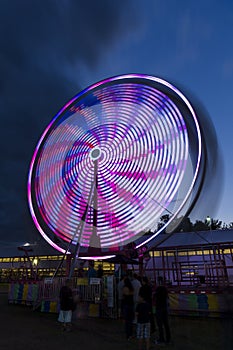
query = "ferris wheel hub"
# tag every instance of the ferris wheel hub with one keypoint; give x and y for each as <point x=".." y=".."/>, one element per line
<point x="95" y="153"/>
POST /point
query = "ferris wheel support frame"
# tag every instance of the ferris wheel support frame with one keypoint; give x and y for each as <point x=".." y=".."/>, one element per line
<point x="92" y="198"/>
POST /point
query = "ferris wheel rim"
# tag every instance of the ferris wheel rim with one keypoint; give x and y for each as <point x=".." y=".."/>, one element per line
<point x="78" y="96"/>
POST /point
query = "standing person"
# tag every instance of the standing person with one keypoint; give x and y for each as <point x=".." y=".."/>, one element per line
<point x="136" y="286"/>
<point x="161" y="307"/>
<point x="143" y="312"/>
<point x="120" y="287"/>
<point x="66" y="306"/>
<point x="146" y="293"/>
<point x="81" y="272"/>
<point x="100" y="271"/>
<point x="91" y="272"/>
<point x="128" y="307"/>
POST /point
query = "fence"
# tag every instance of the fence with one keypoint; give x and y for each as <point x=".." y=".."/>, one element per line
<point x="96" y="297"/>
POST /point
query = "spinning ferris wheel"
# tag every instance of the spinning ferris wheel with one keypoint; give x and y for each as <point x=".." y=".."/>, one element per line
<point x="115" y="159"/>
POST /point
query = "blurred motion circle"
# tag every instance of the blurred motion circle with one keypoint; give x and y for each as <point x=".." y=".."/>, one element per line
<point x="137" y="140"/>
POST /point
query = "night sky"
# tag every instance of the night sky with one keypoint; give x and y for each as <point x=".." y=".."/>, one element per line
<point x="51" y="50"/>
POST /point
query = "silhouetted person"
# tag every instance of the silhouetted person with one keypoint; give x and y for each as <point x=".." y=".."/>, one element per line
<point x="143" y="312"/>
<point x="146" y="293"/>
<point x="120" y="287"/>
<point x="100" y="271"/>
<point x="91" y="272"/>
<point x="161" y="307"/>
<point x="128" y="307"/>
<point x="136" y="286"/>
<point x="81" y="272"/>
<point x="66" y="305"/>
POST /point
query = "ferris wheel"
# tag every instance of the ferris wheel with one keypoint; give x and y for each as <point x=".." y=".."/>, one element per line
<point x="116" y="158"/>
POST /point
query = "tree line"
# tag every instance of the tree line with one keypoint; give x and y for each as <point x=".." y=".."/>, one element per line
<point x="186" y="225"/>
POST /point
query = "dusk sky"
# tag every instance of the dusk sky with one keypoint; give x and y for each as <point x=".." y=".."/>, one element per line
<point x="51" y="50"/>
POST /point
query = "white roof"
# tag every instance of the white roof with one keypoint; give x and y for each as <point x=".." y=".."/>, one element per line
<point x="184" y="239"/>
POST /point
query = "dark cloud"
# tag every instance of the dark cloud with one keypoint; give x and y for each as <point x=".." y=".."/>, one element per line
<point x="40" y="42"/>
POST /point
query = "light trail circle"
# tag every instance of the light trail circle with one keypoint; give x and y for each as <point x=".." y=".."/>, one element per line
<point x="134" y="138"/>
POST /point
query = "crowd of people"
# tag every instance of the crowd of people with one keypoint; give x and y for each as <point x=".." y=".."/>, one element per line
<point x="142" y="306"/>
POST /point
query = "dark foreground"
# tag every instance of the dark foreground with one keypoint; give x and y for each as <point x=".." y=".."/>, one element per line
<point x="22" y="328"/>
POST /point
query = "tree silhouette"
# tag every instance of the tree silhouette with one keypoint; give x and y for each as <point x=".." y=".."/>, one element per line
<point x="201" y="226"/>
<point x="163" y="220"/>
<point x="185" y="224"/>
